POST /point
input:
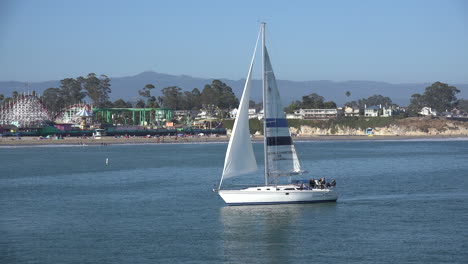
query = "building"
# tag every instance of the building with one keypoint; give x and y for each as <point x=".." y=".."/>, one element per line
<point x="252" y="113"/>
<point x="372" y="111"/>
<point x="180" y="114"/>
<point x="387" y="111"/>
<point x="350" y="111"/>
<point x="317" y="113"/>
<point x="293" y="116"/>
<point x="427" y="111"/>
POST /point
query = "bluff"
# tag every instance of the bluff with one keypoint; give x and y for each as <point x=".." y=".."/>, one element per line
<point x="403" y="127"/>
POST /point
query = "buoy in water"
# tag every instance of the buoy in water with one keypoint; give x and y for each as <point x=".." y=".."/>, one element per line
<point x="107" y="161"/>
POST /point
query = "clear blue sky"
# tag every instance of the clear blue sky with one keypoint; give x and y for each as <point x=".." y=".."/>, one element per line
<point x="392" y="41"/>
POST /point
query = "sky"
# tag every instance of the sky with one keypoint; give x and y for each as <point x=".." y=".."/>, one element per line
<point x="399" y="41"/>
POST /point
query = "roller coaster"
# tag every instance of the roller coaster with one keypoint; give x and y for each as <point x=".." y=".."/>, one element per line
<point x="24" y="111"/>
<point x="69" y="114"/>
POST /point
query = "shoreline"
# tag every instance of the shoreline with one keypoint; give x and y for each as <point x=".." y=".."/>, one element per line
<point x="73" y="141"/>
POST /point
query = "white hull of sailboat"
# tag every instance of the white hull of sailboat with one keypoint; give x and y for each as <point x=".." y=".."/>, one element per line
<point x="270" y="195"/>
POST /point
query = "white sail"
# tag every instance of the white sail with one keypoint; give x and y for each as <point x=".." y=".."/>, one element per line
<point x="281" y="154"/>
<point x="240" y="158"/>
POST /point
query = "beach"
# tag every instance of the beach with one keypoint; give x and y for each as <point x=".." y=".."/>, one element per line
<point x="107" y="140"/>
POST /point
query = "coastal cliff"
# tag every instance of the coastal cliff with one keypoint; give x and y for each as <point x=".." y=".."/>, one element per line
<point x="402" y="127"/>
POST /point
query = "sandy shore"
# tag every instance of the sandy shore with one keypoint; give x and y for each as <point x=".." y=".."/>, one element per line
<point x="30" y="141"/>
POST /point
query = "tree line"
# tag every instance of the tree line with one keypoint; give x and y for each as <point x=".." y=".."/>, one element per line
<point x="439" y="96"/>
<point x="218" y="94"/>
<point x="97" y="89"/>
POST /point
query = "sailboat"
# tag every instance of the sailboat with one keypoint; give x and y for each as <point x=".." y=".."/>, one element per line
<point x="281" y="161"/>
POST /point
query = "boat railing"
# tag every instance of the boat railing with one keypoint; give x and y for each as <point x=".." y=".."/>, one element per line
<point x="304" y="186"/>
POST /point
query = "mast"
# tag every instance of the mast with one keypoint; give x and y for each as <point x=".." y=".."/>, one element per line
<point x="264" y="86"/>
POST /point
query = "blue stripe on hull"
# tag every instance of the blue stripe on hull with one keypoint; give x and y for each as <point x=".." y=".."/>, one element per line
<point x="296" y="202"/>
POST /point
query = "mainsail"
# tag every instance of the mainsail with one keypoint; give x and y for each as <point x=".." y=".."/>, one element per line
<point x="240" y="158"/>
<point x="281" y="154"/>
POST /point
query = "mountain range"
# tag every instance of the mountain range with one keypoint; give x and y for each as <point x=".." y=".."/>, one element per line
<point x="127" y="88"/>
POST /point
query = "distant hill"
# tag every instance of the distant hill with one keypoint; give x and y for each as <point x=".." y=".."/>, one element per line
<point x="127" y="87"/>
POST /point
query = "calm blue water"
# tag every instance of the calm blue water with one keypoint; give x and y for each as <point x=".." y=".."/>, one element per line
<point x="401" y="202"/>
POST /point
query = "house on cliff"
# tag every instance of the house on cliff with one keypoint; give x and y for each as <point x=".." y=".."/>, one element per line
<point x="375" y="111"/>
<point x="372" y="111"/>
<point x="427" y="111"/>
<point x="350" y="111"/>
<point x="318" y="114"/>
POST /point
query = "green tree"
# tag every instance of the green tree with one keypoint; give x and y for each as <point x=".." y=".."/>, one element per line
<point x="146" y="93"/>
<point x="191" y="100"/>
<point x="140" y="104"/>
<point x="462" y="104"/>
<point x="312" y="101"/>
<point x="52" y="99"/>
<point x="416" y="104"/>
<point x="219" y="94"/>
<point x="120" y="103"/>
<point x="439" y="96"/>
<point x="375" y="99"/>
<point x="171" y="98"/>
<point x="195" y="97"/>
<point x="208" y="95"/>
<point x="329" y="105"/>
<point x="71" y="91"/>
<point x="187" y="101"/>
<point x="293" y="106"/>
<point x="97" y="89"/>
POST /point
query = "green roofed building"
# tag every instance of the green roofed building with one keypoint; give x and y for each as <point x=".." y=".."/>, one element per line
<point x="133" y="116"/>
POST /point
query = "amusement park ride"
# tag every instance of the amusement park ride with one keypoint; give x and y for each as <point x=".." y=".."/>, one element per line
<point x="28" y="112"/>
<point x="24" y="111"/>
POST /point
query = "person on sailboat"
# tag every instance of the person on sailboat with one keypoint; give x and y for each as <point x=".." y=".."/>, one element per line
<point x="322" y="183"/>
<point x="331" y="184"/>
<point x="312" y="183"/>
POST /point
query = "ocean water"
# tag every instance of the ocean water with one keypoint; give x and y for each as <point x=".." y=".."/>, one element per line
<point x="400" y="202"/>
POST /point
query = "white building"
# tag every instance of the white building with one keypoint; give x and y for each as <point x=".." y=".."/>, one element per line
<point x="350" y="111"/>
<point x="316" y="113"/>
<point x="372" y="111"/>
<point x="252" y="113"/>
<point x="293" y="116"/>
<point x="427" y="111"/>
<point x="179" y="114"/>
<point x="387" y="112"/>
